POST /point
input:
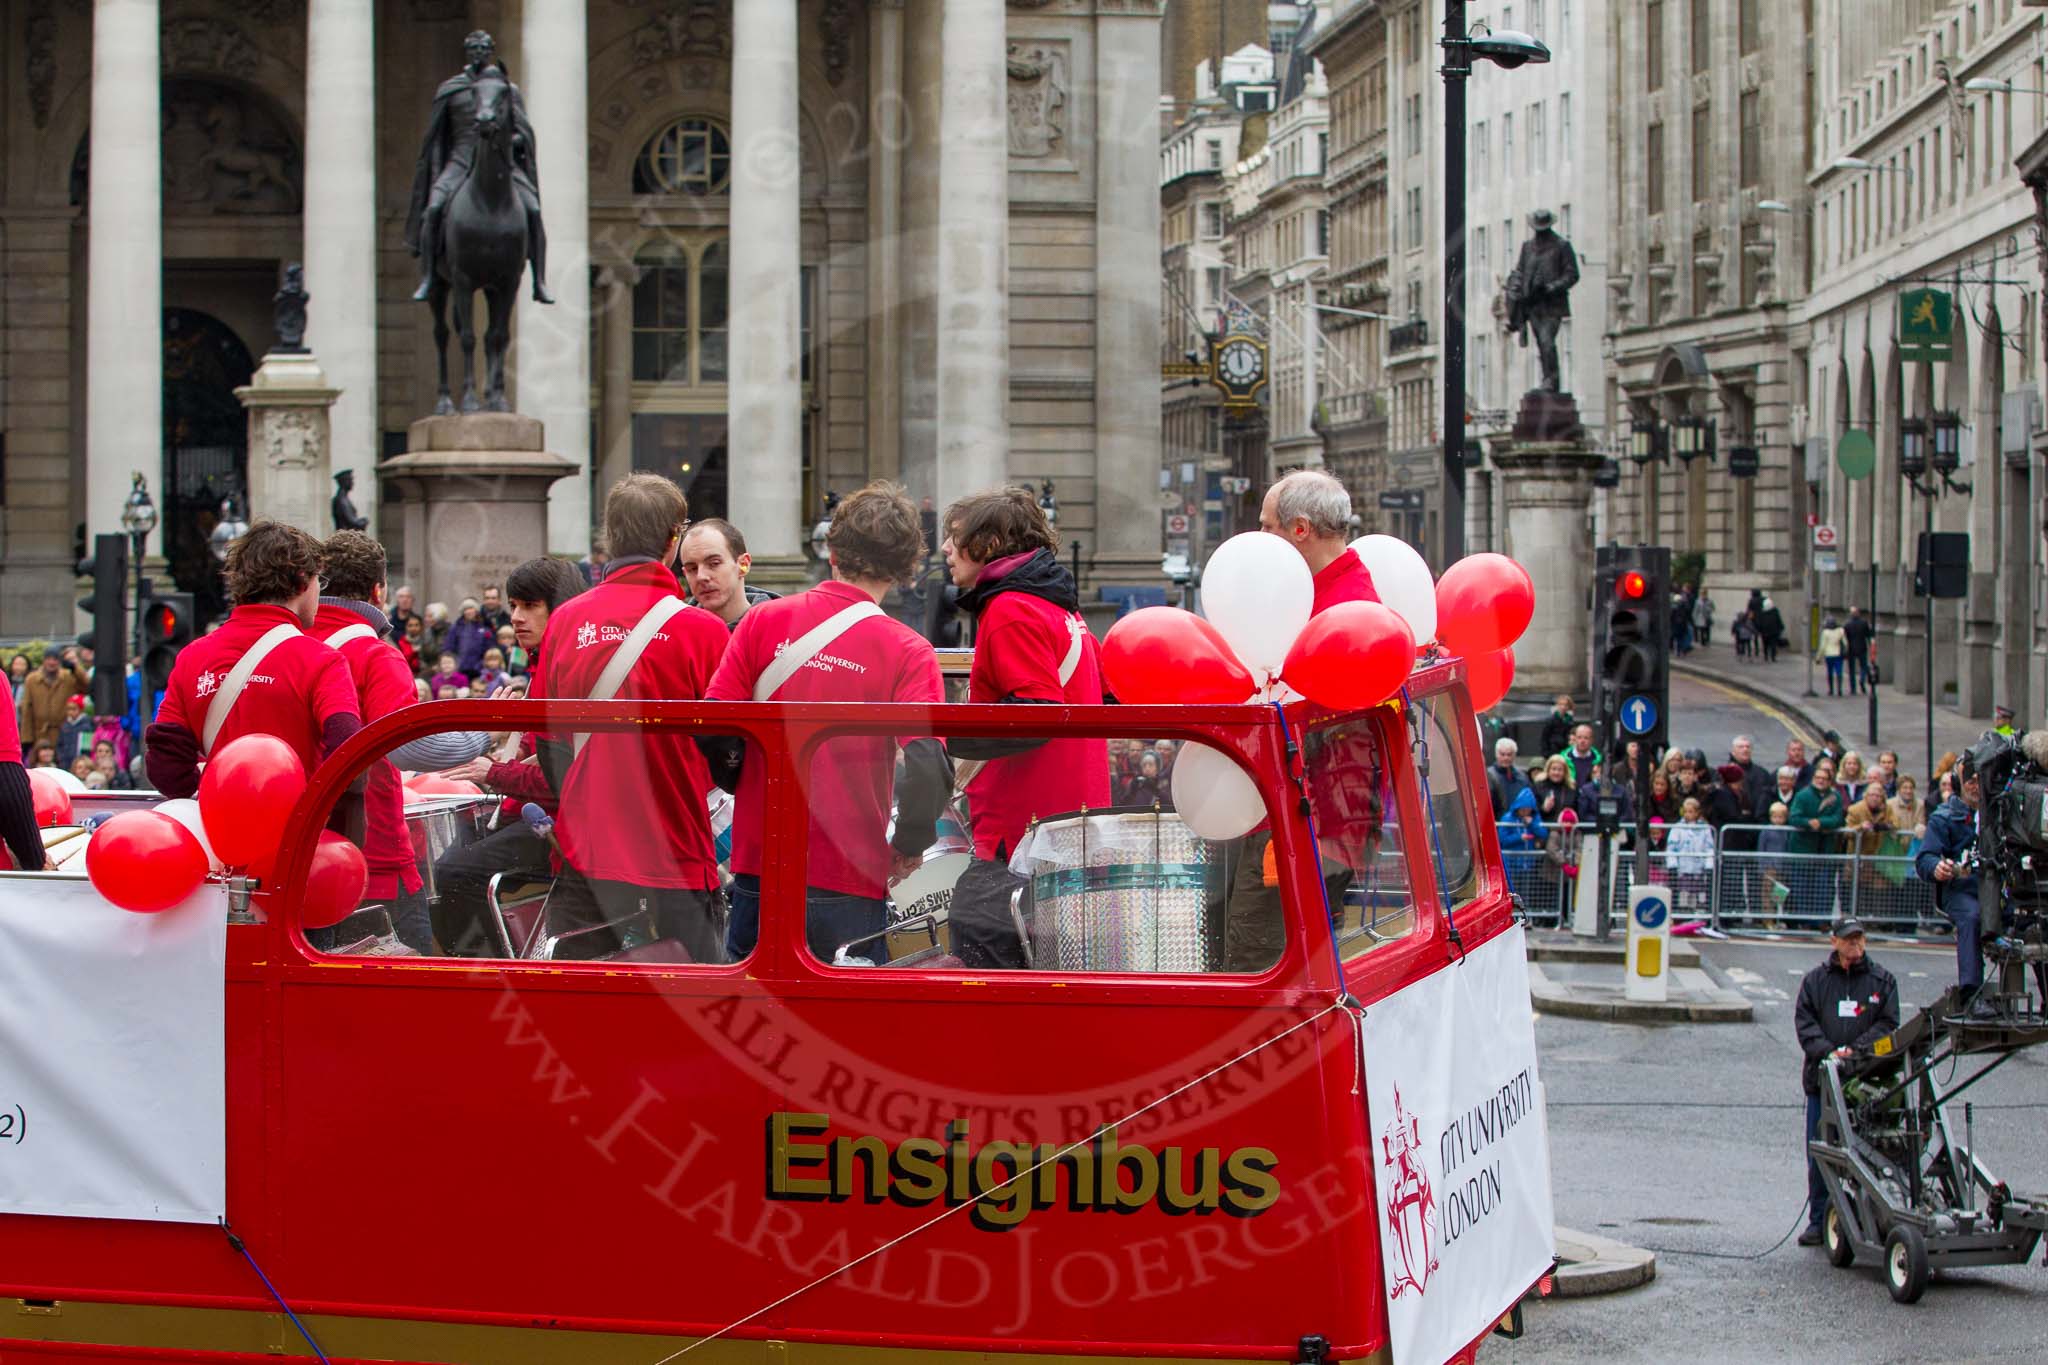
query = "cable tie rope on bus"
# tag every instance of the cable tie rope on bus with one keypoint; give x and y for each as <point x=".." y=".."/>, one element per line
<point x="237" y="1243"/>
<point x="1416" y="715"/>
<point x="1335" y="1006"/>
<point x="1315" y="840"/>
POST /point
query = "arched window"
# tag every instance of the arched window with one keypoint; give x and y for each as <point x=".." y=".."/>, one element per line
<point x="690" y="156"/>
<point x="679" y="313"/>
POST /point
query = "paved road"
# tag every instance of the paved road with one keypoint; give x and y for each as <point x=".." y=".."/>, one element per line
<point x="1689" y="1138"/>
<point x="1707" y="715"/>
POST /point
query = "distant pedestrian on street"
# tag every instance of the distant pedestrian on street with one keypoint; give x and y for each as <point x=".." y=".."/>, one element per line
<point x="1504" y="778"/>
<point x="1816" y="814"/>
<point x="1555" y="791"/>
<point x="1909" y="812"/>
<point x="1702" y="617"/>
<point x="1845" y="1005"/>
<point x="1888" y="771"/>
<point x="1744" y="632"/>
<point x="1770" y="628"/>
<point x="1681" y="623"/>
<point x="1856" y="637"/>
<point x="1833" y="647"/>
<point x="1581" y="756"/>
<point x="1557" y="726"/>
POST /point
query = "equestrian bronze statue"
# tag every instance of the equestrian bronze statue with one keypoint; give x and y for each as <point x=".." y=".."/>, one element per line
<point x="475" y="218"/>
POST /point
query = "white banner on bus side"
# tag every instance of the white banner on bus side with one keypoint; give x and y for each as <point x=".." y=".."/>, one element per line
<point x="113" y="1055"/>
<point x="1461" y="1150"/>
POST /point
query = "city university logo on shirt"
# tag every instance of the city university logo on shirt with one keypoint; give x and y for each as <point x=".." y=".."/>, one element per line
<point x="209" y="682"/>
<point x="823" y="662"/>
<point x="586" y="635"/>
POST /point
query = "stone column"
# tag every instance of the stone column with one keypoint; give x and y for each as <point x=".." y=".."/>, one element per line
<point x="765" y="395"/>
<point x="1127" y="440"/>
<point x="341" y="234"/>
<point x="551" y="366"/>
<point x="124" y="266"/>
<point x="290" y="441"/>
<point x="974" y="250"/>
<point x="1546" y="487"/>
<point x="917" y="327"/>
<point x="888" y="131"/>
<point x="616" y="461"/>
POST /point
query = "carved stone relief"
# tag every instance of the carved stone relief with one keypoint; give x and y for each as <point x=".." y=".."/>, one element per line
<point x="41" y="59"/>
<point x="209" y="45"/>
<point x="293" y="438"/>
<point x="1038" y="100"/>
<point x="684" y="28"/>
<point x="225" y="152"/>
<point x="835" y="28"/>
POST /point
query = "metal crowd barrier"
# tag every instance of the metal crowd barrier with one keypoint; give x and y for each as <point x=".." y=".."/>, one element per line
<point x="1745" y="883"/>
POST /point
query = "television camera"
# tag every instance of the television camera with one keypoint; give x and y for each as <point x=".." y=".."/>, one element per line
<point x="2010" y="859"/>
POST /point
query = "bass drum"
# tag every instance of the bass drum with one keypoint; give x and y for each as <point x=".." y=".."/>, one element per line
<point x="1119" y="891"/>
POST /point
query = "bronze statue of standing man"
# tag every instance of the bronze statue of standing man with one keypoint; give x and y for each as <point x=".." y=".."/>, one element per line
<point x="1538" y="292"/>
<point x="448" y="155"/>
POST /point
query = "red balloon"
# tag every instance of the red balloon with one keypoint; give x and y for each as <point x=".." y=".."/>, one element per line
<point x="1483" y="603"/>
<point x="53" y="802"/>
<point x="1351" y="656"/>
<point x="247" y="795"/>
<point x="145" y="862"/>
<point x="1164" y="654"/>
<point x="1489" y="676"/>
<point x="335" y="885"/>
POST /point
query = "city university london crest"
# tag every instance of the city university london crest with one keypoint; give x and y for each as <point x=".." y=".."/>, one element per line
<point x="208" y="682"/>
<point x="1411" y="1204"/>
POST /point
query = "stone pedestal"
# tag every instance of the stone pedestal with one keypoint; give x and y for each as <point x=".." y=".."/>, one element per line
<point x="1547" y="493"/>
<point x="472" y="496"/>
<point x="288" y="400"/>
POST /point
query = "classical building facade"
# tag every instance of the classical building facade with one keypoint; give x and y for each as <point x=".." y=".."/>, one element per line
<point x="1415" y="120"/>
<point x="1350" y="42"/>
<point x="1712" y="106"/>
<point x="797" y="244"/>
<point x="1914" y="186"/>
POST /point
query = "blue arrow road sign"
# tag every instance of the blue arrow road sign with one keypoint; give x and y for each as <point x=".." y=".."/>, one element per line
<point x="1639" y="715"/>
<point x="1650" y="911"/>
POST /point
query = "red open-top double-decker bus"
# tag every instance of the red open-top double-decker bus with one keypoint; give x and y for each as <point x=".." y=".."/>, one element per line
<point x="1131" y="1146"/>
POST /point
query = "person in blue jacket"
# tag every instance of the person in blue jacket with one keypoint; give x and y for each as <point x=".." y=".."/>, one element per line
<point x="1944" y="861"/>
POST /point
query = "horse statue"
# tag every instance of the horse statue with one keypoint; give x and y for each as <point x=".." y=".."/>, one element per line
<point x="475" y="218"/>
<point x="482" y="246"/>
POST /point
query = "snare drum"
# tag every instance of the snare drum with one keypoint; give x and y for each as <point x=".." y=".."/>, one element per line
<point x="1118" y="892"/>
<point x="440" y="823"/>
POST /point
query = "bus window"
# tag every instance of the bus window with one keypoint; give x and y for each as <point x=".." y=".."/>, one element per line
<point x="534" y="848"/>
<point x="1049" y="854"/>
<point x="1358" y="836"/>
<point x="1451" y="855"/>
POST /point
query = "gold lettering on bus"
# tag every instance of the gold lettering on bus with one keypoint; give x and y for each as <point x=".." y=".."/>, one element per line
<point x="1005" y="1181"/>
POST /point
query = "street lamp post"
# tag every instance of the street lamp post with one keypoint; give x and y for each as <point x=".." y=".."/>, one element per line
<point x="1915" y="459"/>
<point x="1507" y="49"/>
<point x="138" y="519"/>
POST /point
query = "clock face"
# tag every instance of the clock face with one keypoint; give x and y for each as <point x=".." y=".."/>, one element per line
<point x="1240" y="362"/>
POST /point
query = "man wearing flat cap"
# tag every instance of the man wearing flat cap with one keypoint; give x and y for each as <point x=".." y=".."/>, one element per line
<point x="1539" y="292"/>
<point x="1845" y="1005"/>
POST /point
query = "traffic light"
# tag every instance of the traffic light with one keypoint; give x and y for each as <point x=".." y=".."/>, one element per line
<point x="108" y="569"/>
<point x="166" y="629"/>
<point x="1632" y="644"/>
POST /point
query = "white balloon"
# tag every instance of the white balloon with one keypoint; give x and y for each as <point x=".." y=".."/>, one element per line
<point x="66" y="779"/>
<point x="186" y="812"/>
<point x="1215" y="798"/>
<point x="1257" y="591"/>
<point x="1401" y="577"/>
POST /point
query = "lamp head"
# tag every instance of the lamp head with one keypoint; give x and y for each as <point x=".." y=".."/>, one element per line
<point x="1913" y="447"/>
<point x="1507" y="48"/>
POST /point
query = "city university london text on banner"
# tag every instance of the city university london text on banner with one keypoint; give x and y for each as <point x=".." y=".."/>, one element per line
<point x="1461" y="1150"/>
<point x="113" y="1056"/>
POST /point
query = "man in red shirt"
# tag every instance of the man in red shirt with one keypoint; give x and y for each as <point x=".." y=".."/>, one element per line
<point x="258" y="672"/>
<point x="634" y="835"/>
<point x="834" y="643"/>
<point x="464" y="874"/>
<point x="351" y="621"/>
<point x="1031" y="647"/>
<point x="1312" y="512"/>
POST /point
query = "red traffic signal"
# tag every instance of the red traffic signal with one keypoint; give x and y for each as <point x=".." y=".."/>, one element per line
<point x="164" y="623"/>
<point x="1631" y="586"/>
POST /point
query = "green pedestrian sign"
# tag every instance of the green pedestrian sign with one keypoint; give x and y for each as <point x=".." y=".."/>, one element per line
<point x="1856" y="455"/>
<point x="1927" y="322"/>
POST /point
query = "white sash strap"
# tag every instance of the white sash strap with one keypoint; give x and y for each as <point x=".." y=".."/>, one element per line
<point x="238" y="678"/>
<point x="348" y="635"/>
<point x="808" y="646"/>
<point x="628" y="654"/>
<point x="1075" y="649"/>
